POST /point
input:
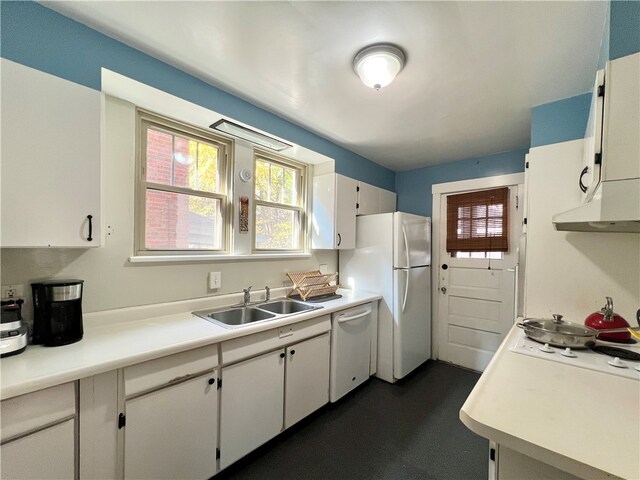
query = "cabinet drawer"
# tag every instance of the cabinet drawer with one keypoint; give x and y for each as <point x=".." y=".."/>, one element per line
<point x="35" y="410"/>
<point x="154" y="373"/>
<point x="251" y="345"/>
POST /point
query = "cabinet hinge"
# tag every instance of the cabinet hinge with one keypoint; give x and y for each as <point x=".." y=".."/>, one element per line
<point x="517" y="198"/>
<point x="219" y="383"/>
<point x="492" y="454"/>
<point x="597" y="159"/>
<point x="217" y="454"/>
<point x="526" y="165"/>
<point x="122" y="421"/>
<point x="524" y="220"/>
<point x="357" y="205"/>
<point x="601" y="90"/>
<point x="358" y="188"/>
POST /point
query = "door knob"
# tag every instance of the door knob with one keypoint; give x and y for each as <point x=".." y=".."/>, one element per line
<point x="443" y="289"/>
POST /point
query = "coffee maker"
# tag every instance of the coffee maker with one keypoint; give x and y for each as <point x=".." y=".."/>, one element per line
<point x="57" y="312"/>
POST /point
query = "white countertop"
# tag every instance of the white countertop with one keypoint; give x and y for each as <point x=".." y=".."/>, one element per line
<point x="117" y="338"/>
<point x="581" y="421"/>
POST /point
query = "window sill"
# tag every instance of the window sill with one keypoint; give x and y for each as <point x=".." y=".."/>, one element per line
<point x="214" y="258"/>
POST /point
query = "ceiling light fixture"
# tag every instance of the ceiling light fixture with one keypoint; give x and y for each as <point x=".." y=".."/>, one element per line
<point x="377" y="65"/>
<point x="248" y="134"/>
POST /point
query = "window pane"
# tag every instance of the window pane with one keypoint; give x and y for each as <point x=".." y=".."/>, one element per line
<point x="276" y="228"/>
<point x="182" y="162"/>
<point x="276" y="183"/>
<point x="179" y="222"/>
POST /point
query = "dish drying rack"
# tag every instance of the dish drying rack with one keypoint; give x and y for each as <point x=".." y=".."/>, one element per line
<point x="312" y="284"/>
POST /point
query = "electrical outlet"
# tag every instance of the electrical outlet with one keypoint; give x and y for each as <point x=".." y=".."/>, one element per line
<point x="215" y="280"/>
<point x="12" y="292"/>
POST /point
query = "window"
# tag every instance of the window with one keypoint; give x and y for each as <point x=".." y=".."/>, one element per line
<point x="182" y="193"/>
<point x="279" y="201"/>
<point x="478" y="223"/>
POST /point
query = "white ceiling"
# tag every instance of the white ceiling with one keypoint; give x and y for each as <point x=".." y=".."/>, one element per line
<point x="474" y="69"/>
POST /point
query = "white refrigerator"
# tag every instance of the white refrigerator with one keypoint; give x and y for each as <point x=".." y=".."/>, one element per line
<point x="393" y="258"/>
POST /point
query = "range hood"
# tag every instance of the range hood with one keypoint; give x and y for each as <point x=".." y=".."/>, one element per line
<point x="615" y="207"/>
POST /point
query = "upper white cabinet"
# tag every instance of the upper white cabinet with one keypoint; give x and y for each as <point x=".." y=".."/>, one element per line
<point x="334" y="212"/>
<point x="372" y="200"/>
<point x="50" y="160"/>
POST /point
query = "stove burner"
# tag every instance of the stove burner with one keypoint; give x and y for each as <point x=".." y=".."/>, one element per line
<point x="617" y="352"/>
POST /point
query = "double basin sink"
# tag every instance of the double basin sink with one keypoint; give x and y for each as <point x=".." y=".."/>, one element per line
<point x="233" y="317"/>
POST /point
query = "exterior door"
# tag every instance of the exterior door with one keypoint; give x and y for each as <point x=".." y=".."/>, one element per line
<point x="476" y="296"/>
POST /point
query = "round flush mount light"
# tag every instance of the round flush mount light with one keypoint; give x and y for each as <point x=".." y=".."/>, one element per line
<point x="377" y="65"/>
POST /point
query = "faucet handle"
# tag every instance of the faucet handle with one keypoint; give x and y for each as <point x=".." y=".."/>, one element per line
<point x="267" y="291"/>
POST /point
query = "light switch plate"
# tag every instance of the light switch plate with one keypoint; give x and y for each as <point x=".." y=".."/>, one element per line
<point x="215" y="280"/>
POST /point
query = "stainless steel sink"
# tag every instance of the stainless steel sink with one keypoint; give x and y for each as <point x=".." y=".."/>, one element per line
<point x="286" y="307"/>
<point x="236" y="316"/>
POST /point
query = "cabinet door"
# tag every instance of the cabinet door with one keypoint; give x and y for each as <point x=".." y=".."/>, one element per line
<point x="307" y="378"/>
<point x="46" y="454"/>
<point x="50" y="160"/>
<point x="251" y="405"/>
<point x="368" y="199"/>
<point x="387" y="201"/>
<point x="345" y="213"/>
<point x="172" y="432"/>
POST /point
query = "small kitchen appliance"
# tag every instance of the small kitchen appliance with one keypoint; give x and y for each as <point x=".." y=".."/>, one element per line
<point x="13" y="331"/>
<point x="57" y="312"/>
<point x="606" y="319"/>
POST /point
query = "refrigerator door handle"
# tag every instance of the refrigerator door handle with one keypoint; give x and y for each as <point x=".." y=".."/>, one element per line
<point x="406" y="248"/>
<point x="406" y="290"/>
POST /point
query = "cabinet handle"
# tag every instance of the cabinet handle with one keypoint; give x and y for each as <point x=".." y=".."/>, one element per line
<point x="293" y="352"/>
<point x="90" y="237"/>
<point x="342" y="319"/>
<point x="582" y="174"/>
<point x="212" y="381"/>
<point x="282" y="355"/>
<point x="339" y="239"/>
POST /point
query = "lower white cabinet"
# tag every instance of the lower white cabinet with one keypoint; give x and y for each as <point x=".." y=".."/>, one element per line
<point x="172" y="432"/>
<point x="507" y="464"/>
<point x="45" y="454"/>
<point x="251" y="405"/>
<point x="307" y="378"/>
<point x="38" y="435"/>
<point x="168" y="423"/>
<point x="265" y="394"/>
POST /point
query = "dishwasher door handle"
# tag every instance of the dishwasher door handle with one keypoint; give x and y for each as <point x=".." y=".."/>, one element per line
<point x="354" y="317"/>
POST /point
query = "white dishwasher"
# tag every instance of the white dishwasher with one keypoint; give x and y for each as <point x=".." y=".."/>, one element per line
<point x="352" y="348"/>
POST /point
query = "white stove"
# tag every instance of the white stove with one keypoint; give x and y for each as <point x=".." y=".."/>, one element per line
<point x="583" y="358"/>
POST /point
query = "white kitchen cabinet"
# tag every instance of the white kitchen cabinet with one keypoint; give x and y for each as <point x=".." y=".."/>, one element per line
<point x="170" y="417"/>
<point x="251" y="405"/>
<point x="387" y="201"/>
<point x="45" y="454"/>
<point x="51" y="169"/>
<point x="172" y="432"/>
<point x="368" y="202"/>
<point x="507" y="464"/>
<point x="307" y="378"/>
<point x="372" y="200"/>
<point x="38" y="435"/>
<point x="334" y="212"/>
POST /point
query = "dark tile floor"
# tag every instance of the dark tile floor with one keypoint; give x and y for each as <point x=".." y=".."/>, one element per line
<point x="409" y="430"/>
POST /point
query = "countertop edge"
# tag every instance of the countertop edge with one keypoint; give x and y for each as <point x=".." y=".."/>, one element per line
<point x="26" y="378"/>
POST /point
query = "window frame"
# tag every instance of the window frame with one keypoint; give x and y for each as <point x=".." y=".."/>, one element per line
<point x="225" y="146"/>
<point x="303" y="202"/>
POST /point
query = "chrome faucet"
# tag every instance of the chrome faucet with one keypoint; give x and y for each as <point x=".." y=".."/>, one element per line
<point x="267" y="293"/>
<point x="247" y="296"/>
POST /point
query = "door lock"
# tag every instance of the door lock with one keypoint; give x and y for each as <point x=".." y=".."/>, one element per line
<point x="443" y="289"/>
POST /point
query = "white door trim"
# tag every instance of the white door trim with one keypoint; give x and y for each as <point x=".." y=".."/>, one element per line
<point x="438" y="190"/>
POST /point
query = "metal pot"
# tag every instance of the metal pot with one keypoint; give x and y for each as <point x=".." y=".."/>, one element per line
<point x="559" y="333"/>
<point x="606" y="319"/>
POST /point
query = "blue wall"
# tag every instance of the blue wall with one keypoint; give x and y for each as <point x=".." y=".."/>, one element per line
<point x="624" y="36"/>
<point x="414" y="186"/>
<point x="40" y="38"/>
<point x="560" y="121"/>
